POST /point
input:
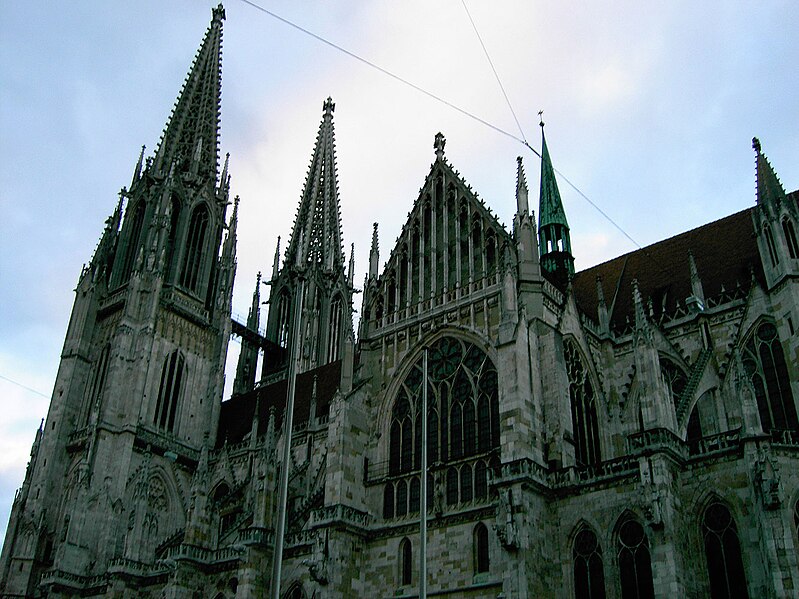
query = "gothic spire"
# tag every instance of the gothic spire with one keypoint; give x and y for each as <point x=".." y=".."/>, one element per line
<point x="522" y="204"/>
<point x="316" y="236"/>
<point x="553" y="228"/>
<point x="769" y="188"/>
<point x="191" y="136"/>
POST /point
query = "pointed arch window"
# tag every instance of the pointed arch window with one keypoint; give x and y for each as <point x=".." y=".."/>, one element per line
<point x="482" y="562"/>
<point x="589" y="572"/>
<point x="583" y="408"/>
<point x="723" y="552"/>
<point x="635" y="565"/>
<point x="191" y="274"/>
<point x="295" y="592"/>
<point x="772" y="249"/>
<point x="98" y="382"/>
<point x="388" y="501"/>
<point x="283" y="318"/>
<point x="334" y="330"/>
<point x="764" y="363"/>
<point x="790" y="238"/>
<point x="405" y="562"/>
<point x="133" y="239"/>
<point x="174" y="223"/>
<point x="169" y="391"/>
<point x="462" y="420"/>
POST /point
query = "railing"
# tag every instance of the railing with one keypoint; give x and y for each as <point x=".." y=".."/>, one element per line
<point x="785" y="437"/>
<point x="340" y="513"/>
<point x="166" y="442"/>
<point x="594" y="473"/>
<point x="200" y="554"/>
<point x="256" y="535"/>
<point x="713" y="444"/>
<point x="655" y="439"/>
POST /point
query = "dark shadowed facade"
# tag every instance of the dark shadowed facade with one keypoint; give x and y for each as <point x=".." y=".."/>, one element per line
<point x="626" y="431"/>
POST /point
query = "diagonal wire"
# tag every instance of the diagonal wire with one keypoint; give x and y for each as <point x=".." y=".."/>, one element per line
<point x="463" y="111"/>
<point x="493" y="68"/>
<point x="13" y="382"/>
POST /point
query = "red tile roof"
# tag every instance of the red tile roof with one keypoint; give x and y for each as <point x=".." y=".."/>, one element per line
<point x="235" y="419"/>
<point x="725" y="252"/>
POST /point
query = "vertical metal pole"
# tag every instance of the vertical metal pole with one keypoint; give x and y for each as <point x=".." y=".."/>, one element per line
<point x="288" y="417"/>
<point x="423" y="498"/>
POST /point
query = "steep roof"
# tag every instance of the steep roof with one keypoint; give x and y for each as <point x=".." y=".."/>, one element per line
<point x="725" y="252"/>
<point x="235" y="419"/>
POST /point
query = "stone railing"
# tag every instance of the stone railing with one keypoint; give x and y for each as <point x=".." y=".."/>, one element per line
<point x="166" y="442"/>
<point x="785" y="437"/>
<point x="78" y="438"/>
<point x="655" y="439"/>
<point x="522" y="468"/>
<point x="340" y="513"/>
<point x="74" y="581"/>
<point x="714" y="444"/>
<point x="256" y="535"/>
<point x="123" y="565"/>
<point x="202" y="555"/>
<point x="595" y="473"/>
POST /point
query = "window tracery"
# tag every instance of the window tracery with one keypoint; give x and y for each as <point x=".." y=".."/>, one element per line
<point x="589" y="574"/>
<point x="583" y="408"/>
<point x="635" y="566"/>
<point x="723" y="552"/>
<point x="195" y="244"/>
<point x="764" y="362"/>
<point x="169" y="391"/>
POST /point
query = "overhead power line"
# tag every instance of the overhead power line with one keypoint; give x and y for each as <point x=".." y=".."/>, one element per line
<point x="441" y="100"/>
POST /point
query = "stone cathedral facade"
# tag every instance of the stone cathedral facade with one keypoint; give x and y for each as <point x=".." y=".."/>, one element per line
<point x="625" y="431"/>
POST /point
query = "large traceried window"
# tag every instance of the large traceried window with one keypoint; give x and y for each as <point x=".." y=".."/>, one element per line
<point x="583" y="407"/>
<point x="635" y="565"/>
<point x="723" y="551"/>
<point x="462" y="422"/>
<point x="764" y="362"/>
<point x="190" y="277"/>
<point x="589" y="573"/>
<point x="169" y="391"/>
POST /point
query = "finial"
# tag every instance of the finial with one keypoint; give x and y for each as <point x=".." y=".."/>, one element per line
<point x="541" y="118"/>
<point x="438" y="145"/>
<point x="328" y="107"/>
<point x="756" y="144"/>
<point x="258" y="280"/>
<point x="218" y="13"/>
<point x="276" y="263"/>
<point x="374" y="236"/>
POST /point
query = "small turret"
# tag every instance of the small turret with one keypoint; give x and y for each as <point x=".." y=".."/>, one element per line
<point x="374" y="254"/>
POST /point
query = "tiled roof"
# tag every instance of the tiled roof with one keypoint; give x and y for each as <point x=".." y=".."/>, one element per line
<point x="235" y="419"/>
<point x="725" y="252"/>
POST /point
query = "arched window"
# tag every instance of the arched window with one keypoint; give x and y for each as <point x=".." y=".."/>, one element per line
<point x="405" y="562"/>
<point x="764" y="362"/>
<point x="772" y="250"/>
<point x="283" y="319"/>
<point x="723" y="551"/>
<point x="635" y="566"/>
<point x="334" y="330"/>
<point x="481" y="557"/>
<point x="190" y="277"/>
<point x="415" y="492"/>
<point x="480" y="480"/>
<point x="462" y="418"/>
<point x="169" y="391"/>
<point x="583" y="407"/>
<point x="133" y="239"/>
<point x="388" y="501"/>
<point x="295" y="592"/>
<point x="402" y="498"/>
<point x="174" y="222"/>
<point x="589" y="573"/>
<point x="98" y="382"/>
<point x="790" y="238"/>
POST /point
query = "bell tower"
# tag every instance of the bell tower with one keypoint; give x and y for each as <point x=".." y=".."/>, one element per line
<point x="140" y="381"/>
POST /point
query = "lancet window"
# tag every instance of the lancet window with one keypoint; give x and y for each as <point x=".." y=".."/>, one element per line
<point x="772" y="250"/>
<point x="635" y="565"/>
<point x="481" y="556"/>
<point x="583" y="407"/>
<point x="723" y="552"/>
<point x="334" y="330"/>
<point x="764" y="362"/>
<point x="405" y="562"/>
<point x="589" y="573"/>
<point x="790" y="237"/>
<point x="98" y="382"/>
<point x="195" y="244"/>
<point x="283" y="318"/>
<point x="133" y="239"/>
<point x="169" y="391"/>
<point x="174" y="223"/>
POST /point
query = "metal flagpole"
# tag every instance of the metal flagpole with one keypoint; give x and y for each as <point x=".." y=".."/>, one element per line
<point x="288" y="417"/>
<point x="423" y="498"/>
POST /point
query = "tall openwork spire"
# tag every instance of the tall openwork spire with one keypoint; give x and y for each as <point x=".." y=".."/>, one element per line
<point x="316" y="236"/>
<point x="191" y="136"/>
<point x="553" y="228"/>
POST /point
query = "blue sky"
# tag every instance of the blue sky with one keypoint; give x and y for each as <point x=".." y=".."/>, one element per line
<point x="650" y="110"/>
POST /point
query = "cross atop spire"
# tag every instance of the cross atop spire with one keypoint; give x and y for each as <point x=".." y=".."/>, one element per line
<point x="191" y="136"/>
<point x="316" y="237"/>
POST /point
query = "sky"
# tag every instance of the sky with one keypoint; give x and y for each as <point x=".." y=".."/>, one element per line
<point x="650" y="109"/>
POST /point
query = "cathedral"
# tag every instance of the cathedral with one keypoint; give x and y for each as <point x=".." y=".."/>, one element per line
<point x="626" y="431"/>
